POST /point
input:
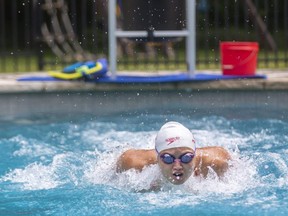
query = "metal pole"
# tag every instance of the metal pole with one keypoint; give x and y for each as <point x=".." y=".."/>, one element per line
<point x="112" y="37"/>
<point x="157" y="33"/>
<point x="191" y="39"/>
<point x="190" y="34"/>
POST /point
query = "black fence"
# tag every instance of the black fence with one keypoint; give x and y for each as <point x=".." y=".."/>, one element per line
<point x="49" y="34"/>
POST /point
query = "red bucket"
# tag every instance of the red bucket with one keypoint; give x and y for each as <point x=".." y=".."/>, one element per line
<point x="239" y="58"/>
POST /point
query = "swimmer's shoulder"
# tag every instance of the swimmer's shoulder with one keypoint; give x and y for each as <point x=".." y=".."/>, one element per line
<point x="215" y="157"/>
<point x="136" y="159"/>
<point x="213" y="152"/>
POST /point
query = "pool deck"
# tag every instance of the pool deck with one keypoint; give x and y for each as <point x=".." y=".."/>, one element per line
<point x="276" y="80"/>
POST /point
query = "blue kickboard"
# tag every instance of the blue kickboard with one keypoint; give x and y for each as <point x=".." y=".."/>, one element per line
<point x="182" y="77"/>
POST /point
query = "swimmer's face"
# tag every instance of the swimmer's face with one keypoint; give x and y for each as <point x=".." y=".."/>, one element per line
<point x="176" y="172"/>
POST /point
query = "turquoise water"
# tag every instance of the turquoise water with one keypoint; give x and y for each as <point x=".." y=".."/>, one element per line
<point x="58" y="165"/>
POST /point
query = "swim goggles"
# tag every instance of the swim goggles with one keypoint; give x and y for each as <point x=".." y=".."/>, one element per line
<point x="184" y="158"/>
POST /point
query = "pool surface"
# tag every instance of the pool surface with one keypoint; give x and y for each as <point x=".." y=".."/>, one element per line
<point x="59" y="158"/>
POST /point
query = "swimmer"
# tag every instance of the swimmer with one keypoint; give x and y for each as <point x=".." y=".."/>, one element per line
<point x="176" y="154"/>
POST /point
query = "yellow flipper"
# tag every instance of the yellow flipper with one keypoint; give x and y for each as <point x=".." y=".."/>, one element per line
<point x="80" y="72"/>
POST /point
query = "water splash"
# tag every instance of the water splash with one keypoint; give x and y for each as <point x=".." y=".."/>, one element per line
<point x="85" y="157"/>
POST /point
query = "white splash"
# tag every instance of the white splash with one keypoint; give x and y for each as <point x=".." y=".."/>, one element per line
<point x="33" y="177"/>
<point x="98" y="166"/>
<point x="32" y="148"/>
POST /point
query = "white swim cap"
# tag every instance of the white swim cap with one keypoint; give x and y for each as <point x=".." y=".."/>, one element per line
<point x="173" y="135"/>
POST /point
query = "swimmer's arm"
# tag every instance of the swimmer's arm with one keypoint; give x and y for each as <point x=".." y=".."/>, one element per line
<point x="136" y="159"/>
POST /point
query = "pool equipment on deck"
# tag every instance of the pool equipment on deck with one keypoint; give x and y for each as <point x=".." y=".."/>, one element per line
<point x="90" y="70"/>
<point x="239" y="58"/>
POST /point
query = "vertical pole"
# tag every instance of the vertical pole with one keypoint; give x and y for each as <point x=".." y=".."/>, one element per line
<point x="191" y="38"/>
<point x="112" y="37"/>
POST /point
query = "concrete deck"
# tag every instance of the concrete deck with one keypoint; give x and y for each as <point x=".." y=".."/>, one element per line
<point x="276" y="80"/>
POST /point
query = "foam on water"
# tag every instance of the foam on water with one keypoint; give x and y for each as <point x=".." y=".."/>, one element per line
<point x="98" y="165"/>
<point x="84" y="155"/>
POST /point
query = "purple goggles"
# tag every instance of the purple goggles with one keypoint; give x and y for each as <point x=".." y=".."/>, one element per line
<point x="184" y="158"/>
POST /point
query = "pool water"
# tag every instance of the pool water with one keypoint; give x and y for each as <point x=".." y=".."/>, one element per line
<point x="53" y="165"/>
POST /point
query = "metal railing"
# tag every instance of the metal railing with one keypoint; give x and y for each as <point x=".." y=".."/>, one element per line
<point x="49" y="34"/>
